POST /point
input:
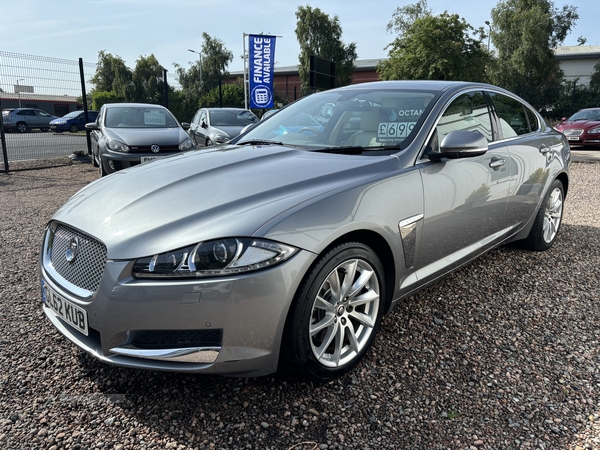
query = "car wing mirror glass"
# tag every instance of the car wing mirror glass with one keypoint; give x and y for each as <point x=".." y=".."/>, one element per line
<point x="461" y="144"/>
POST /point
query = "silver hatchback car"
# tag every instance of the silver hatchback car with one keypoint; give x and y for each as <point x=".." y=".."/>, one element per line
<point x="127" y="134"/>
<point x="287" y="246"/>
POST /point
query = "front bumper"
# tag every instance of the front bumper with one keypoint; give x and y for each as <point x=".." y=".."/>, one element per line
<point x="115" y="161"/>
<point x="246" y="313"/>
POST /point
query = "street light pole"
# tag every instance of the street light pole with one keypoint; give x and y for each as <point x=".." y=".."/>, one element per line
<point x="19" y="90"/>
<point x="487" y="22"/>
<point x="200" y="59"/>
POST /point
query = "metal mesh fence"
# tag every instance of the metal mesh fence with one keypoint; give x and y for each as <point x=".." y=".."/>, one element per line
<point x="34" y="90"/>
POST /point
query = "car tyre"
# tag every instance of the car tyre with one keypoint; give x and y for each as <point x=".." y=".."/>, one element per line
<point x="94" y="160"/>
<point x="73" y="128"/>
<point x="45" y="130"/>
<point x="548" y="219"/>
<point x="208" y="143"/>
<point x="101" y="170"/>
<point x="335" y="315"/>
<point x="22" y="127"/>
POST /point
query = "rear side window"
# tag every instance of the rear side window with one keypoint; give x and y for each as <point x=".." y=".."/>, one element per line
<point x="515" y="118"/>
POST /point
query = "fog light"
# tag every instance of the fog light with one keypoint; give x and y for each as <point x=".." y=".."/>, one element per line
<point x="111" y="164"/>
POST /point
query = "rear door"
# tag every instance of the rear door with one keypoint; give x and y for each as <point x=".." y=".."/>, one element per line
<point x="531" y="154"/>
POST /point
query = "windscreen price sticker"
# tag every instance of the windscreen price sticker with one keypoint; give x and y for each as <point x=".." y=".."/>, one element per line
<point x="154" y="119"/>
<point x="393" y="131"/>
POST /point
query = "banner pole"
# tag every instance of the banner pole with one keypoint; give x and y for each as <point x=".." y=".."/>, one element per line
<point x="245" y="88"/>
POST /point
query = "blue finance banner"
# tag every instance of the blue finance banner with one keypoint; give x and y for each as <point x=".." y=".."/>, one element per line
<point x="262" y="61"/>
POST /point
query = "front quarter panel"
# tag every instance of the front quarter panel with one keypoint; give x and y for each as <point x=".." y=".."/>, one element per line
<point x="375" y="207"/>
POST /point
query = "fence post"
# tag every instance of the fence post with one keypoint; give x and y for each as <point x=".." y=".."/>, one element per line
<point x="3" y="139"/>
<point x="166" y="86"/>
<point x="85" y="106"/>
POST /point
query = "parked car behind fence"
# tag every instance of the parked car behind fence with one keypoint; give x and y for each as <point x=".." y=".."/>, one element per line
<point x="24" y="119"/>
<point x="73" y="122"/>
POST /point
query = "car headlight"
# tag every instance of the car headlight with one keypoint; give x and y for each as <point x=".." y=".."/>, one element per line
<point x="220" y="257"/>
<point x="186" y="145"/>
<point x="594" y="130"/>
<point x="117" y="146"/>
<point x="220" y="139"/>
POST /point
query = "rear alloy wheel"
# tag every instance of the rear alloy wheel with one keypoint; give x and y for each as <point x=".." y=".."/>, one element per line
<point x="21" y="127"/>
<point x="336" y="314"/>
<point x="548" y="219"/>
<point x="73" y="129"/>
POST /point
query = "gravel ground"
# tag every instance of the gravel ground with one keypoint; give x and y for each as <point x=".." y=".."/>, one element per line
<point x="503" y="354"/>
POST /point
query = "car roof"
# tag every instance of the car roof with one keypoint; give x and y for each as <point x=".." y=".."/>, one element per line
<point x="431" y="85"/>
<point x="132" y="105"/>
<point x="225" y="109"/>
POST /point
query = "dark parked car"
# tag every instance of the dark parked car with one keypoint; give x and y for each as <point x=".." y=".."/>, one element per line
<point x="127" y="134"/>
<point x="582" y="128"/>
<point x="286" y="249"/>
<point x="219" y="125"/>
<point x="24" y="119"/>
<point x="73" y="122"/>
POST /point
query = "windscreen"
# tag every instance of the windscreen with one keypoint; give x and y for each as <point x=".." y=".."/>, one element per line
<point x="370" y="119"/>
<point x="131" y="117"/>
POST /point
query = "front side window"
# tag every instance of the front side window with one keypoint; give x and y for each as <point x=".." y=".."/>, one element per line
<point x="468" y="112"/>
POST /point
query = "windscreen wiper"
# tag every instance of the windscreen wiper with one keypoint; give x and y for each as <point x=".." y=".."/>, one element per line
<point x="357" y="149"/>
<point x="348" y="150"/>
<point x="260" y="142"/>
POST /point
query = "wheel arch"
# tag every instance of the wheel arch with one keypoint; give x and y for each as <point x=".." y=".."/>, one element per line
<point x="381" y="248"/>
<point x="564" y="179"/>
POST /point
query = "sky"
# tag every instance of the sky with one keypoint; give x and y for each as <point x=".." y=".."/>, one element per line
<point x="69" y="29"/>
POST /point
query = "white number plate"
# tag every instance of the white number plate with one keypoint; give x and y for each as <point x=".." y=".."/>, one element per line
<point x="573" y="138"/>
<point x="67" y="311"/>
<point x="147" y="159"/>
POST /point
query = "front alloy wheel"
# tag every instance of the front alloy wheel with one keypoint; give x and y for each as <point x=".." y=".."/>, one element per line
<point x="336" y="315"/>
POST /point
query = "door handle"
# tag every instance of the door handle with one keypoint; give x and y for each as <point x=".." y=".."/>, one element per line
<point x="496" y="163"/>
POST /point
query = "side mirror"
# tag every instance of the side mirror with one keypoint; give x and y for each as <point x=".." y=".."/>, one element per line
<point x="461" y="144"/>
<point x="563" y="119"/>
<point x="91" y="126"/>
<point x="185" y="125"/>
<point x="203" y="124"/>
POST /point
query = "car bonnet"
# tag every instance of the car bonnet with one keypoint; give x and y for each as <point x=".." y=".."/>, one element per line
<point x="201" y="195"/>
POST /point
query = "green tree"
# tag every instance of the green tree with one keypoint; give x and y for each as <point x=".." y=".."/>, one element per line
<point x="320" y="35"/>
<point x="99" y="98"/>
<point x="112" y="75"/>
<point x="215" y="61"/>
<point x="525" y="34"/>
<point x="405" y="16"/>
<point x="148" y="83"/>
<point x="442" y="47"/>
<point x="595" y="79"/>
<point x="233" y="96"/>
